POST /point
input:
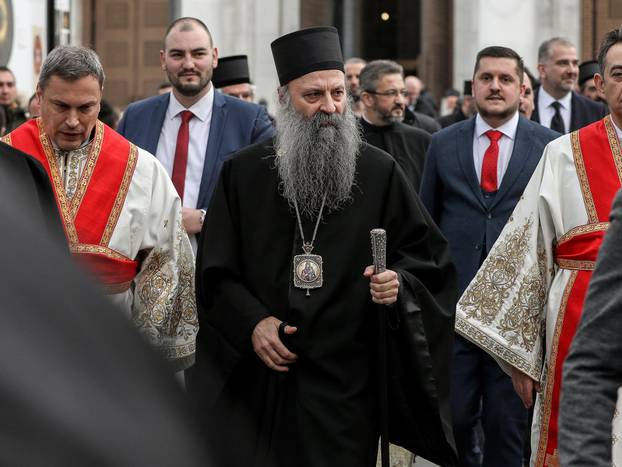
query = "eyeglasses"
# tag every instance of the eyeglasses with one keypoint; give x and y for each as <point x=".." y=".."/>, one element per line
<point x="393" y="93"/>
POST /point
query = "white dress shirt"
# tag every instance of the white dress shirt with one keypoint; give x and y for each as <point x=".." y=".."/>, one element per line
<point x="546" y="111"/>
<point x="506" y="145"/>
<point x="198" y="127"/>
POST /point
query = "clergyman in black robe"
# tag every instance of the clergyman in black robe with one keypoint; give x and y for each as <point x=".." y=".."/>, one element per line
<point x="383" y="95"/>
<point x="320" y="409"/>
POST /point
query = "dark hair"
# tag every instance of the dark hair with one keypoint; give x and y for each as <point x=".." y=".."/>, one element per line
<point x="6" y="68"/>
<point x="71" y="63"/>
<point x="497" y="51"/>
<point x="375" y="70"/>
<point x="544" y="51"/>
<point x="108" y="114"/>
<point x="611" y="38"/>
<point x="186" y="25"/>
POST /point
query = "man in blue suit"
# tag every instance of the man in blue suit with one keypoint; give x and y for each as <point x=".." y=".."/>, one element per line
<point x="193" y="129"/>
<point x="557" y="105"/>
<point x="474" y="174"/>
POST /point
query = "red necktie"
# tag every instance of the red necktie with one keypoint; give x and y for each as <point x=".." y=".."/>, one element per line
<point x="489" y="166"/>
<point x="181" y="154"/>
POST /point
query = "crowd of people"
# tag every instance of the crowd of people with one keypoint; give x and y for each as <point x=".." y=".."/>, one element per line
<point x="238" y="244"/>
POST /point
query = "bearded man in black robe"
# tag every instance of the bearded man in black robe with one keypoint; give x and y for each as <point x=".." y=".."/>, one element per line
<point x="384" y="98"/>
<point x="287" y="365"/>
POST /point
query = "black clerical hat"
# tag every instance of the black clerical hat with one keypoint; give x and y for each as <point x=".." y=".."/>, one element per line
<point x="231" y="70"/>
<point x="305" y="51"/>
<point x="587" y="70"/>
<point x="466" y="89"/>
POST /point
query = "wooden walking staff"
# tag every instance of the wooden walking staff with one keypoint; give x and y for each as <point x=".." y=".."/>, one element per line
<point x="379" y="254"/>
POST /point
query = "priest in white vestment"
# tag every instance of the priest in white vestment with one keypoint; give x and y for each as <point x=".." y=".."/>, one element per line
<point x="121" y="213"/>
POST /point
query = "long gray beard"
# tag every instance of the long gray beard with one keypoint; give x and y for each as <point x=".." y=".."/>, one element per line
<point x="316" y="156"/>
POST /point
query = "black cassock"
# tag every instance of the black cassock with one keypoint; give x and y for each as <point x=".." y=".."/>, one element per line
<point x="324" y="411"/>
<point x="407" y="145"/>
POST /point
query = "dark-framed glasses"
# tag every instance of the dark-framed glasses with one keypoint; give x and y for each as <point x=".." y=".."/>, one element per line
<point x="393" y="93"/>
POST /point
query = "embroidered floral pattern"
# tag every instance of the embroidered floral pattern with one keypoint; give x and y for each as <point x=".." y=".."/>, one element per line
<point x="168" y="315"/>
<point x="72" y="162"/>
<point x="491" y="287"/>
<point x="521" y="325"/>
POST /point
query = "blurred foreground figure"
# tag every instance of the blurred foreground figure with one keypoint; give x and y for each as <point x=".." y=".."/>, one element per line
<point x="79" y="386"/>
<point x="525" y="302"/>
<point x="120" y="212"/>
<point x="287" y="371"/>
<point x="593" y="369"/>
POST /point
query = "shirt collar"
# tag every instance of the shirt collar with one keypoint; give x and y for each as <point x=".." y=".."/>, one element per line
<point x="547" y="99"/>
<point x="202" y="109"/>
<point x="508" y="128"/>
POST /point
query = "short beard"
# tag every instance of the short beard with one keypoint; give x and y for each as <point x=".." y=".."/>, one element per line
<point x="316" y="156"/>
<point x="189" y="90"/>
<point x="389" y="118"/>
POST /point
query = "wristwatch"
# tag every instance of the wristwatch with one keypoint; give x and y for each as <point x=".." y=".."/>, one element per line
<point x="203" y="212"/>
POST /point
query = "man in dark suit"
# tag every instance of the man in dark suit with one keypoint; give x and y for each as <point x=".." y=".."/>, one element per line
<point x="557" y="105"/>
<point x="192" y="129"/>
<point x="474" y="174"/>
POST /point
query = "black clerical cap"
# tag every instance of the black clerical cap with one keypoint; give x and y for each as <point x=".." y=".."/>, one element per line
<point x="587" y="70"/>
<point x="466" y="90"/>
<point x="231" y="70"/>
<point x="305" y="51"/>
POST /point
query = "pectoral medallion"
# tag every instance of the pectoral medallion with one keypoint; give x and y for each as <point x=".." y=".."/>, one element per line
<point x="308" y="270"/>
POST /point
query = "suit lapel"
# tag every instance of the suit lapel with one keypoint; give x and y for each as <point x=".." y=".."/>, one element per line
<point x="521" y="153"/>
<point x="465" y="157"/>
<point x="575" y="112"/>
<point x="535" y="116"/>
<point x="155" y="125"/>
<point x="216" y="131"/>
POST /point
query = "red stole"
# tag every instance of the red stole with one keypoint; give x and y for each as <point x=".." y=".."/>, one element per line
<point x="89" y="218"/>
<point x="598" y="161"/>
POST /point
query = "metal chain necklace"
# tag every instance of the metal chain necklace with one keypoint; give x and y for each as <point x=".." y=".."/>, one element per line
<point x="308" y="268"/>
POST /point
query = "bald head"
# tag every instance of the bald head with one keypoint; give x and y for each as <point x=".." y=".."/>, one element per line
<point x="414" y="86"/>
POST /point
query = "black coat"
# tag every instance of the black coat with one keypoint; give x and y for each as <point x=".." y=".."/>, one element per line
<point x="78" y="385"/>
<point x="407" y="145"/>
